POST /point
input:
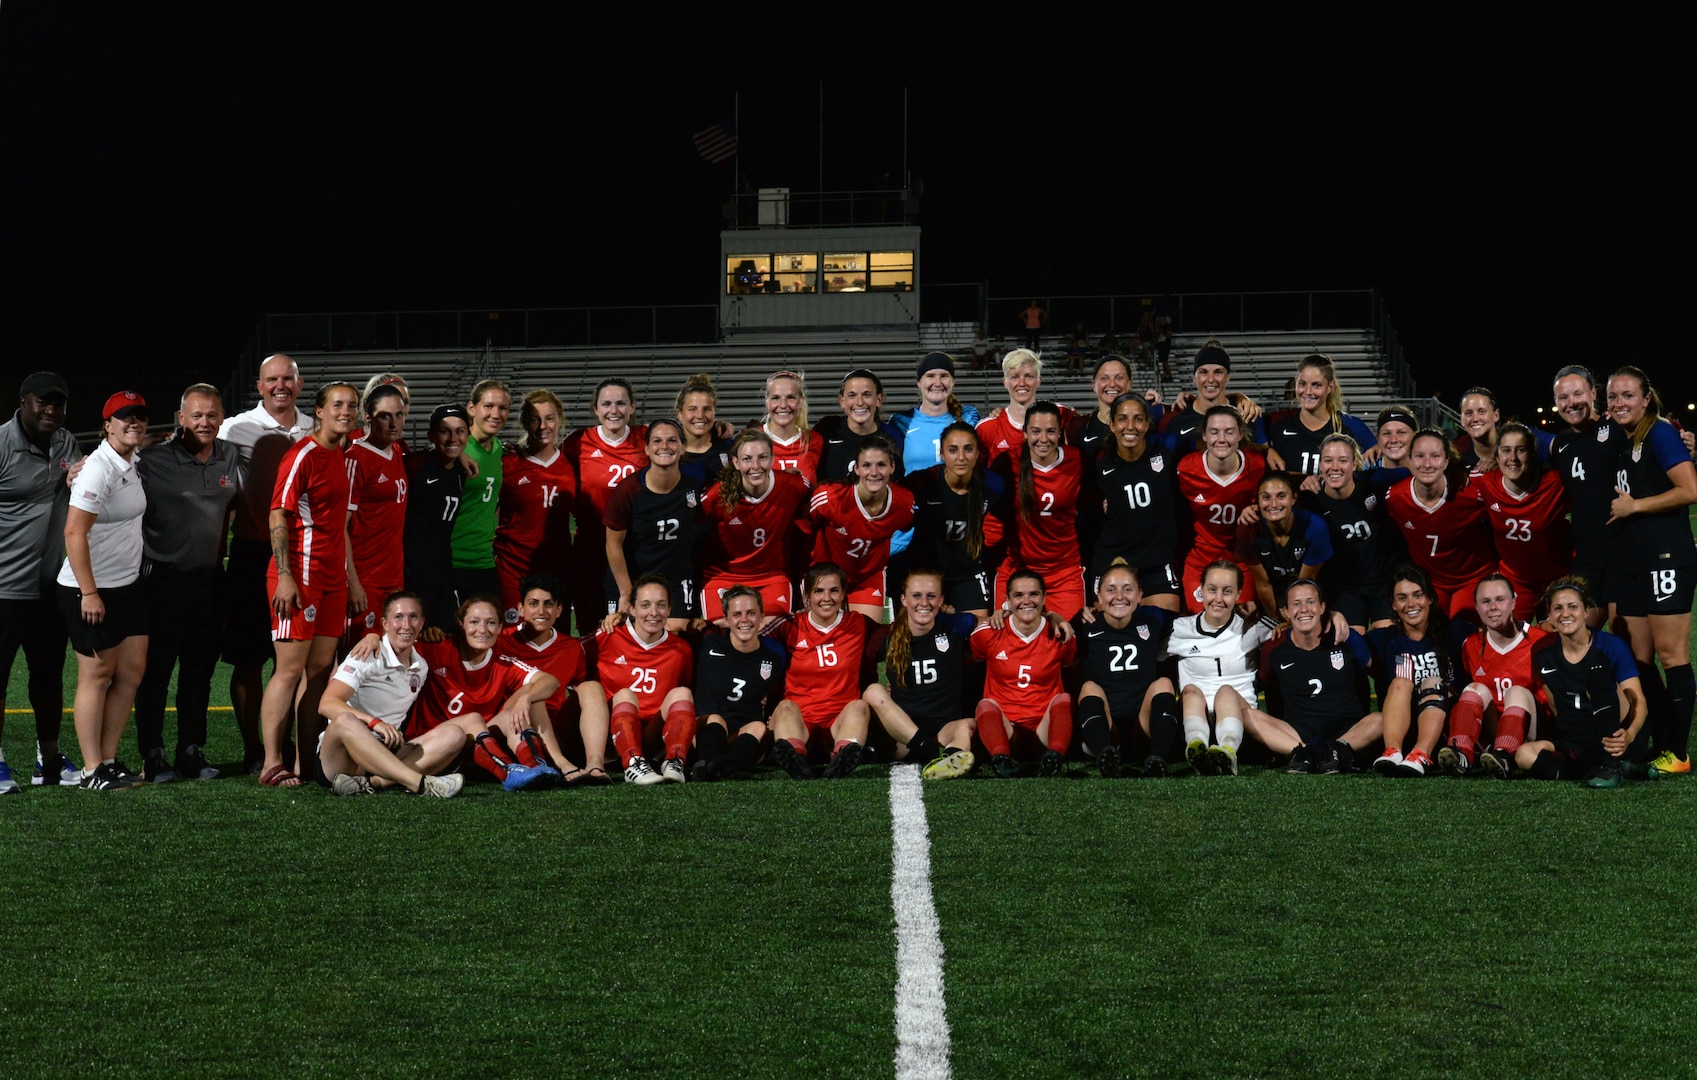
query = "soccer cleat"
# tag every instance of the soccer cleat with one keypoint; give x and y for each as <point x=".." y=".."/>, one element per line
<point x="69" y="774"/>
<point x="1223" y="760"/>
<point x="1154" y="765"/>
<point x="191" y="765"/>
<point x="1004" y="766"/>
<point x="950" y="766"/>
<point x="347" y="784"/>
<point x="1387" y="763"/>
<point x="1496" y="762"/>
<point x="845" y="761"/>
<point x="108" y="778"/>
<point x="1301" y="761"/>
<point x="442" y="787"/>
<point x="785" y="757"/>
<point x="1607" y="775"/>
<point x="1639" y="770"/>
<point x="156" y="770"/>
<point x="520" y="776"/>
<point x="1452" y="760"/>
<point x="1196" y="752"/>
<point x="1415" y="764"/>
<point x="1669" y="763"/>
<point x="1049" y="764"/>
<point x="672" y="770"/>
<point x="640" y="772"/>
<point x="704" y="771"/>
<point x="8" y="786"/>
<point x="1108" y="762"/>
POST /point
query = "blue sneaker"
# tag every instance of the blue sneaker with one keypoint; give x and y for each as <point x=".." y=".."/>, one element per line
<point x="69" y="774"/>
<point x="8" y="786"/>
<point x="520" y="777"/>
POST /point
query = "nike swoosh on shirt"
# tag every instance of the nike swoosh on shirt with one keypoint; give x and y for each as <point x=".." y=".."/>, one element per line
<point x="1097" y="633"/>
<point x="1546" y="671"/>
<point x="711" y="652"/>
<point x="1287" y="667"/>
<point x="1288" y="431"/>
<point x="431" y="479"/>
<point x="836" y="442"/>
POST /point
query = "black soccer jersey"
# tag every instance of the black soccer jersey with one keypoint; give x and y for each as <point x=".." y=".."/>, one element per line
<point x="1142" y="500"/>
<point x="659" y="529"/>
<point x="1660" y="540"/>
<point x="1584" y="696"/>
<point x="930" y="689"/>
<point x="1320" y="690"/>
<point x="703" y="467"/>
<point x="1309" y="543"/>
<point x="433" y="504"/>
<point x="837" y="447"/>
<point x="739" y="686"/>
<point x="1364" y="550"/>
<point x="940" y="522"/>
<point x="1586" y="462"/>
<point x="1122" y="660"/>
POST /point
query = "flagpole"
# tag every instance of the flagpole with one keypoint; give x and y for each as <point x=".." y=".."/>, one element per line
<point x="736" y="133"/>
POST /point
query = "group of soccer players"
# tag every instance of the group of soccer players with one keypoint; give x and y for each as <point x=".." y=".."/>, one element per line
<point x="1040" y="584"/>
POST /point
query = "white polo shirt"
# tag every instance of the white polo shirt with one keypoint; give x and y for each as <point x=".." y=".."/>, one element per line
<point x="110" y="488"/>
<point x="261" y="441"/>
<point x="383" y="686"/>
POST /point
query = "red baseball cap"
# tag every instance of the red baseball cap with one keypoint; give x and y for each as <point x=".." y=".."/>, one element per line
<point x="123" y="404"/>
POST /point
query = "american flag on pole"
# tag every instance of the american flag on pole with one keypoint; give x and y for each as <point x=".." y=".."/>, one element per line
<point x="717" y="143"/>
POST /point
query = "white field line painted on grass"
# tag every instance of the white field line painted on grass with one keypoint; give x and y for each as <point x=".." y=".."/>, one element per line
<point x="922" y="1024"/>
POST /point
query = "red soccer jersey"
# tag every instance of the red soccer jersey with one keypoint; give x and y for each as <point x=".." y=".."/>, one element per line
<point x="377" y="499"/>
<point x="1215" y="503"/>
<point x="997" y="435"/>
<point x="312" y="487"/>
<point x="1450" y="540"/>
<point x="754" y="536"/>
<point x="793" y="455"/>
<point x="649" y="671"/>
<point x="455" y="688"/>
<point x="1049" y="541"/>
<point x="824" y="671"/>
<point x="600" y="466"/>
<point x="1021" y="674"/>
<point x="562" y="657"/>
<point x="849" y="536"/>
<point x="534" y="515"/>
<point x="1534" y="539"/>
<point x="1500" y="668"/>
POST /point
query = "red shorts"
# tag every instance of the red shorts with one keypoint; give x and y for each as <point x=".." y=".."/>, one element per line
<point x="1065" y="588"/>
<point x="774" y="589"/>
<point x="820" y="715"/>
<point x="1456" y="598"/>
<point x="869" y="590"/>
<point x="370" y="621"/>
<point x="1193" y="567"/>
<point x="323" y="612"/>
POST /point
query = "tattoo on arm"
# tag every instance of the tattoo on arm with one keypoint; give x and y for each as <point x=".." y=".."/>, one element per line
<point x="280" y="548"/>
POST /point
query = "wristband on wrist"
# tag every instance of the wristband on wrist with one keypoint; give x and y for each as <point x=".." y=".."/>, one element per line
<point x="371" y="725"/>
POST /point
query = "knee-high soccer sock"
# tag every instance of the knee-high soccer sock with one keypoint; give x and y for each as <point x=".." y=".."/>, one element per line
<point x="1511" y="729"/>
<point x="1196" y="730"/>
<point x="740" y="757"/>
<point x="922" y="747"/>
<point x="710" y="742"/>
<point x="1682" y="694"/>
<point x="1060" y="724"/>
<point x="679" y="730"/>
<point x="1228" y="731"/>
<point x="532" y="750"/>
<point x="1467" y="720"/>
<point x="627" y="732"/>
<point x="1656" y="700"/>
<point x="992" y="728"/>
<point x="489" y="753"/>
<point x="1093" y="725"/>
<point x="1164" y="727"/>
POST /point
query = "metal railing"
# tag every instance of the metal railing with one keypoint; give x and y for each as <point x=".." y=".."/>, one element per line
<point x="782" y="208"/>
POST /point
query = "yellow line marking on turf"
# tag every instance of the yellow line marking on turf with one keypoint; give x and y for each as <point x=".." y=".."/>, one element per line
<point x="168" y="708"/>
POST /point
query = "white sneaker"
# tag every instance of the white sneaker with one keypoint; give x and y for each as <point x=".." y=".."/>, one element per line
<point x="443" y="787"/>
<point x="640" y="772"/>
<point x="1386" y="763"/>
<point x="349" y="784"/>
<point x="672" y="770"/>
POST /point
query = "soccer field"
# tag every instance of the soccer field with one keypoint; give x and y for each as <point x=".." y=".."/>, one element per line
<point x="1267" y="926"/>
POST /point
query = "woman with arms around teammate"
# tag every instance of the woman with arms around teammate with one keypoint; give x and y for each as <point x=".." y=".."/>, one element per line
<point x="1497" y="699"/>
<point x="739" y="676"/>
<point x="377" y="508"/>
<point x="1218" y="484"/>
<point x="1212" y="375"/>
<point x="1046" y="482"/>
<point x="920" y="429"/>
<point x="1025" y="711"/>
<point x="645" y="671"/>
<point x="1416" y="673"/>
<point x="435" y="490"/>
<point x="785" y="424"/>
<point x="534" y="509"/>
<point x="1591" y="682"/>
<point x="1655" y="564"/>
<point x="705" y="453"/>
<point x="1216" y="669"/>
<point x="1365" y="547"/>
<point x="1137" y="482"/>
<point x="1119" y="646"/>
<point x="924" y="654"/>
<point x="1477" y="446"/>
<point x="835" y="443"/>
<point x="102" y="599"/>
<point x="1294" y="435"/>
<point x="758" y="517"/>
<point x="1528" y="511"/>
<point x="650" y="522"/>
<point x="957" y="519"/>
<point x="1002" y="433"/>
<point x="602" y="456"/>
<point x="1582" y="455"/>
<point x="822" y="717"/>
<point x="1441" y="513"/>
<point x="856" y="521"/>
<point x="1283" y="543"/>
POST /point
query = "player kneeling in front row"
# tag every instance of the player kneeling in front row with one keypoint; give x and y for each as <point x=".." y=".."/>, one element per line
<point x="1318" y="687"/>
<point x="1594" y="691"/>
<point x="822" y="713"/>
<point x="1024" y="707"/>
<point x="924" y="657"/>
<point x="645" y="671"/>
<point x="1499" y="698"/>
<point x="737" y="676"/>
<point x="362" y="748"/>
<point x="1215" y="651"/>
<point x="1120" y="645"/>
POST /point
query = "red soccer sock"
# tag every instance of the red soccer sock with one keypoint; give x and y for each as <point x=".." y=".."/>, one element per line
<point x="1467" y="719"/>
<point x="491" y="755"/>
<point x="1060" y="723"/>
<point x="1511" y="729"/>
<point x="992" y="727"/>
<point x="526" y="756"/>
<point x="800" y="747"/>
<point x="627" y="732"/>
<point x="679" y="732"/>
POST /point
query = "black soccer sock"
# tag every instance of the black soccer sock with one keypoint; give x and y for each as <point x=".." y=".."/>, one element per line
<point x="710" y="742"/>
<point x="1682" y="695"/>
<point x="741" y="755"/>
<point x="1656" y="700"/>
<point x="921" y="748"/>
<point x="1093" y="729"/>
<point x="1165" y="729"/>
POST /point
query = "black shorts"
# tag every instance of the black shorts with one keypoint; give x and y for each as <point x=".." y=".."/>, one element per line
<point x="1320" y="729"/>
<point x="1362" y="605"/>
<point x="247" y="604"/>
<point x="1597" y="578"/>
<point x="1125" y="703"/>
<point x="126" y="617"/>
<point x="1665" y="591"/>
<point x="968" y="592"/>
<point x="441" y="603"/>
<point x="478" y="582"/>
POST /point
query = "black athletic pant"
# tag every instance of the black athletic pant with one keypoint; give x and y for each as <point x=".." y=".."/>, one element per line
<point x="34" y="626"/>
<point x="185" y="620"/>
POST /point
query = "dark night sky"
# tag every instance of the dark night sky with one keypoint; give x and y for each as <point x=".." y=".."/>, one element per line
<point x="1519" y="191"/>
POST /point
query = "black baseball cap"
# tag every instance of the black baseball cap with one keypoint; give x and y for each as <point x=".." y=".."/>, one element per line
<point x="44" y="384"/>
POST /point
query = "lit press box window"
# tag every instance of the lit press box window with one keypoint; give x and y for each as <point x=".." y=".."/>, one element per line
<point x="845" y="272"/>
<point x="796" y="273"/>
<point x="892" y="270"/>
<point x="747" y="273"/>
